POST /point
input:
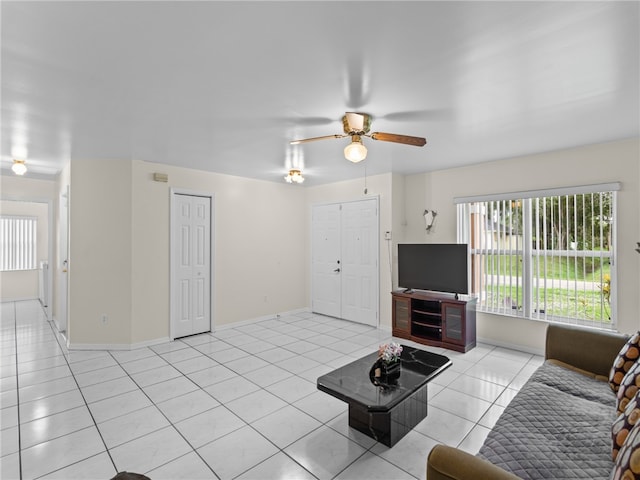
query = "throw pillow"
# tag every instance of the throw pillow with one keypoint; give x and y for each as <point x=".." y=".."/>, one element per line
<point x="624" y="423"/>
<point x="628" y="355"/>
<point x="627" y="464"/>
<point x="629" y="387"/>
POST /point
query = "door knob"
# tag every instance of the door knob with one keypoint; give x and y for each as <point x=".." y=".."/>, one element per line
<point x="337" y="270"/>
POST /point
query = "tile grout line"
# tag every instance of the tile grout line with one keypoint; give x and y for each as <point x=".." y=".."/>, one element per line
<point x="201" y="355"/>
<point x="194" y="450"/>
<point x="249" y="424"/>
<point x="241" y="375"/>
<point x="322" y="424"/>
<point x="221" y="404"/>
<point x="15" y="329"/>
<point x="86" y="404"/>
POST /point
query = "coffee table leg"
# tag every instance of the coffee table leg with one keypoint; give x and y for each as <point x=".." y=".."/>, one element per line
<point x="389" y="427"/>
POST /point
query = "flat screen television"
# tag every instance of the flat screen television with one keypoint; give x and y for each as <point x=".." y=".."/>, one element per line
<point x="438" y="267"/>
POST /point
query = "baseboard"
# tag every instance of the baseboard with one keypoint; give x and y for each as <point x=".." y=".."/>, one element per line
<point x="260" y="319"/>
<point x="512" y="346"/>
<point x="56" y="324"/>
<point x="25" y="299"/>
<point x="98" y="346"/>
<point x="116" y="346"/>
<point x="150" y="343"/>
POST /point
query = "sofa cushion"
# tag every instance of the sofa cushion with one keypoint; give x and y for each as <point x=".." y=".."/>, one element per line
<point x="625" y="359"/>
<point x="566" y="380"/>
<point x="629" y="387"/>
<point x="624" y="423"/>
<point x="627" y="466"/>
<point x="548" y="433"/>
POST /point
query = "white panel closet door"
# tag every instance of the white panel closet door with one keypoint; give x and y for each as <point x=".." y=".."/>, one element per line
<point x="325" y="260"/>
<point x="192" y="265"/>
<point x="359" y="223"/>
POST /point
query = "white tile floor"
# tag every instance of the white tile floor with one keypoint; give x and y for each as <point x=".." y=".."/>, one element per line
<point x="241" y="403"/>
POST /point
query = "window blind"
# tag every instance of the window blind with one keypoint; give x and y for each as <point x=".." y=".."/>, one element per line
<point x="549" y="257"/>
<point x="18" y="243"/>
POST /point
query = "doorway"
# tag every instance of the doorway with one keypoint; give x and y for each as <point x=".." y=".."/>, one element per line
<point x="344" y="260"/>
<point x="191" y="263"/>
<point x="62" y="269"/>
<point x="26" y="251"/>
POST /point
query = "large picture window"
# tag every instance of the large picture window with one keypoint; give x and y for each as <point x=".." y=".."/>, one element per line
<point x="544" y="254"/>
<point x="18" y="243"/>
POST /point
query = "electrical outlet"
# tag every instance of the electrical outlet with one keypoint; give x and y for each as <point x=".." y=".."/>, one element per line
<point x="104" y="318"/>
<point x="387" y="235"/>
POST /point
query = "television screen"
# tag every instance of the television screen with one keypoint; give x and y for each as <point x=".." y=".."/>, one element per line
<point x="439" y="267"/>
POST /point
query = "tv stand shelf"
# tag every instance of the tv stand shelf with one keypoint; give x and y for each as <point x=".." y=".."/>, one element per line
<point x="436" y="319"/>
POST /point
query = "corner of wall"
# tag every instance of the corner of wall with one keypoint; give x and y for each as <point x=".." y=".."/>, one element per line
<point x="100" y="252"/>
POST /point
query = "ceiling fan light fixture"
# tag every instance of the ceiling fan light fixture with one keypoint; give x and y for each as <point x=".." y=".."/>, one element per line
<point x="19" y="167"/>
<point x="356" y="151"/>
<point x="294" y="176"/>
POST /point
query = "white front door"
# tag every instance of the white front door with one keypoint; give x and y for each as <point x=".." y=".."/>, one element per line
<point x="191" y="244"/>
<point x="360" y="262"/>
<point x="345" y="261"/>
<point x="325" y="260"/>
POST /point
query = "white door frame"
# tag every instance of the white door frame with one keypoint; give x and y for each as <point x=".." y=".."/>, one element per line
<point x="377" y="289"/>
<point x="62" y="265"/>
<point x="172" y="280"/>
<point x="50" y="239"/>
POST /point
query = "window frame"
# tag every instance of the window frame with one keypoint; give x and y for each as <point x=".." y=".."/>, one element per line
<point x="529" y="253"/>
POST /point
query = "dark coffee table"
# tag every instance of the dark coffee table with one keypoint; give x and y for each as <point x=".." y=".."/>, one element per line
<point x="385" y="410"/>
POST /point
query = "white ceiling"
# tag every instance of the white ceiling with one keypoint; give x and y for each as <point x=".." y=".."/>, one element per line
<point x="224" y="86"/>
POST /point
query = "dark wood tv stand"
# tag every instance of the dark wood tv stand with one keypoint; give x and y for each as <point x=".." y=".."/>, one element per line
<point x="436" y="319"/>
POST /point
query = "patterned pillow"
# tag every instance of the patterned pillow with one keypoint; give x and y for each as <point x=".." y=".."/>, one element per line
<point x="629" y="387"/>
<point x="624" y="423"/>
<point x="624" y="361"/>
<point x="627" y="465"/>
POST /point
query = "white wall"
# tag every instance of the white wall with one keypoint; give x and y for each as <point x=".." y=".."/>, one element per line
<point x="120" y="237"/>
<point x="100" y="252"/>
<point x="610" y="162"/>
<point x="259" y="247"/>
<point x="24" y="284"/>
<point x="120" y="249"/>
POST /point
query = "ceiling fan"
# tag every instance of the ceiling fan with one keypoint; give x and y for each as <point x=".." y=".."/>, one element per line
<point x="357" y="125"/>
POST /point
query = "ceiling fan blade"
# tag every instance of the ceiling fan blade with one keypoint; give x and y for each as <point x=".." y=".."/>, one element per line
<point x="305" y="121"/>
<point x="392" y="137"/>
<point x="313" y="139"/>
<point x="357" y="90"/>
<point x="417" y="115"/>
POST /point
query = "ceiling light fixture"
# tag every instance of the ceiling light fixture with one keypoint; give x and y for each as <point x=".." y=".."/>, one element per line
<point x="356" y="151"/>
<point x="294" y="176"/>
<point x="19" y="168"/>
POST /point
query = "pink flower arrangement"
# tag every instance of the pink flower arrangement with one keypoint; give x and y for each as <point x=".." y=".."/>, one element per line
<point x="389" y="352"/>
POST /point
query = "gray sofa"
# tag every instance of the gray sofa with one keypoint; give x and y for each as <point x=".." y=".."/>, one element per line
<point x="558" y="426"/>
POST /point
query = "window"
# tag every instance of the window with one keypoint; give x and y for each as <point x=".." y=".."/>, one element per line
<point x="544" y="254"/>
<point x="18" y="242"/>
